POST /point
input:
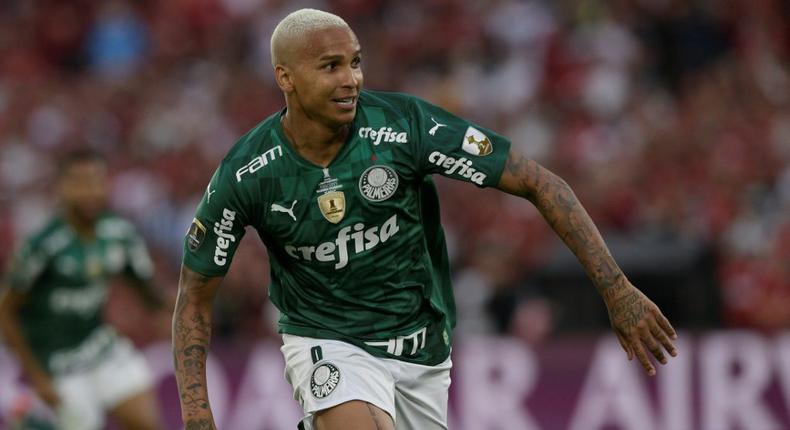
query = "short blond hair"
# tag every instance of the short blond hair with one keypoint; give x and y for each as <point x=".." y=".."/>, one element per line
<point x="297" y="25"/>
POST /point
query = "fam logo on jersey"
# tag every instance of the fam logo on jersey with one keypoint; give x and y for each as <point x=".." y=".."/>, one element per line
<point x="224" y="238"/>
<point x="260" y="161"/>
<point x="460" y="166"/>
<point x="378" y="183"/>
<point x="476" y="143"/>
<point x="383" y="134"/>
<point x="324" y="380"/>
<point x="195" y="235"/>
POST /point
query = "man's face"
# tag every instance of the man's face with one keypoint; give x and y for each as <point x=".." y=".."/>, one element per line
<point x="327" y="76"/>
<point x="83" y="188"/>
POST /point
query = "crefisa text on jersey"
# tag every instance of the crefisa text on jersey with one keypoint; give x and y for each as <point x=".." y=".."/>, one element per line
<point x="383" y="134"/>
<point x="337" y="250"/>
<point x="462" y="165"/>
<point x="224" y="239"/>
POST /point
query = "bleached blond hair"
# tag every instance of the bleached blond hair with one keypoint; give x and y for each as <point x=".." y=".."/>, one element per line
<point x="297" y="25"/>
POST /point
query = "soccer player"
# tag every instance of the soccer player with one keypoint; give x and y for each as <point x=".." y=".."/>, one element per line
<point x="52" y="300"/>
<point x="337" y="186"/>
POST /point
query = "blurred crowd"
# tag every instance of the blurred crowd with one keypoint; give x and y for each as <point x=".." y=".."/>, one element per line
<point x="670" y="119"/>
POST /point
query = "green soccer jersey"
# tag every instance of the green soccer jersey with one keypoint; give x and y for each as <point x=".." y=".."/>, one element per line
<point x="65" y="279"/>
<point x="356" y="249"/>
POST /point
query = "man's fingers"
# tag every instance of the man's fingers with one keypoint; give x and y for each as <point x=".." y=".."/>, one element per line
<point x="624" y="344"/>
<point x="651" y="344"/>
<point x="662" y="337"/>
<point x="636" y="346"/>
<point x="665" y="325"/>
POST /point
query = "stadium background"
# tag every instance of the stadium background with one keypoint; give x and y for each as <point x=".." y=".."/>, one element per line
<point x="670" y="119"/>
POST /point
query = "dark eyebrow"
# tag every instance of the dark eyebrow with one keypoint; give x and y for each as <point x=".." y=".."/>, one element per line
<point x="337" y="56"/>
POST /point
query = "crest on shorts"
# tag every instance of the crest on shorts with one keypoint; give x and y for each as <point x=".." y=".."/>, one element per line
<point x="324" y="380"/>
<point x="378" y="183"/>
<point x="195" y="235"/>
<point x="332" y="205"/>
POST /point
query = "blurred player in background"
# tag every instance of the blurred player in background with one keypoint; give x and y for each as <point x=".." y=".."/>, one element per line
<point x="338" y="187"/>
<point x="52" y="300"/>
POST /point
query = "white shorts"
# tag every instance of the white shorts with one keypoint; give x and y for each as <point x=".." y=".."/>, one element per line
<point x="325" y="373"/>
<point x="87" y="394"/>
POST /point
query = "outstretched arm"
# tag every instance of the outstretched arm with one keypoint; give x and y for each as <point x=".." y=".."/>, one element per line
<point x="10" y="302"/>
<point x="191" y="338"/>
<point x="636" y="320"/>
<point x="152" y="297"/>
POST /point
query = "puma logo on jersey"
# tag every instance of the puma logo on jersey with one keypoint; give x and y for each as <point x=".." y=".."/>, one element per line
<point x="383" y="134"/>
<point x="209" y="192"/>
<point x="337" y="250"/>
<point x="224" y="238"/>
<point x="460" y="166"/>
<point x="278" y="208"/>
<point x="433" y="129"/>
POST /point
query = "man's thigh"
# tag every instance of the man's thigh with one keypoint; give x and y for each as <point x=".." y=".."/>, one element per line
<point x="353" y="415"/>
<point x="80" y="407"/>
<point x="139" y="412"/>
<point x="122" y="374"/>
<point x="124" y="384"/>
<point x="336" y="380"/>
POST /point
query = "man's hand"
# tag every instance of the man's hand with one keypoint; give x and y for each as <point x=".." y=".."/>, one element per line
<point x="11" y="332"/>
<point x="638" y="323"/>
<point x="635" y="319"/>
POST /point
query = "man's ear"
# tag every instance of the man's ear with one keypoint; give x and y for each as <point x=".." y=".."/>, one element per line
<point x="283" y="76"/>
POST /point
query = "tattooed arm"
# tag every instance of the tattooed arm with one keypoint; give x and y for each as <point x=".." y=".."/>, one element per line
<point x="191" y="338"/>
<point x="636" y="320"/>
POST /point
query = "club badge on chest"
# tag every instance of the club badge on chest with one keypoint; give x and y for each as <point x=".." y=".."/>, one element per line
<point x="331" y="202"/>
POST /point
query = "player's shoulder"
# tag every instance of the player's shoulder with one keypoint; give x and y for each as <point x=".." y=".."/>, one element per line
<point x="400" y="102"/>
<point x="49" y="238"/>
<point x="113" y="227"/>
<point x="260" y="143"/>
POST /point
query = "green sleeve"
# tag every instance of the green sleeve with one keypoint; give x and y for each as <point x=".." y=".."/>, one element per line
<point x="26" y="266"/>
<point x="456" y="148"/>
<point x="218" y="226"/>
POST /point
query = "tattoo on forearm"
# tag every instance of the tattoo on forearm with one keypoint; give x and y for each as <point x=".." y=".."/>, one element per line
<point x="191" y="337"/>
<point x="561" y="209"/>
<point x="199" y="425"/>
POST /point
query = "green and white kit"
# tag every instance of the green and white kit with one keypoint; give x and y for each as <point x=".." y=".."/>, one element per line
<point x="65" y="282"/>
<point x="359" y="266"/>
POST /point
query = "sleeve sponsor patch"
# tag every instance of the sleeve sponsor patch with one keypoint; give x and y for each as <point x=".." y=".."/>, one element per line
<point x="196" y="234"/>
<point x="476" y="143"/>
